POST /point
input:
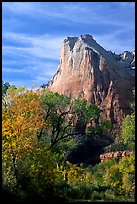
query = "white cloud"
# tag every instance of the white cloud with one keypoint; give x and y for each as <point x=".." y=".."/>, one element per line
<point x="11" y="70"/>
<point x="40" y="71"/>
<point x="20" y="82"/>
<point x="125" y="4"/>
<point x="18" y="7"/>
<point x="43" y="46"/>
<point x="44" y="72"/>
<point x="47" y="46"/>
<point x="90" y="14"/>
<point x="36" y="48"/>
<point x="112" y="42"/>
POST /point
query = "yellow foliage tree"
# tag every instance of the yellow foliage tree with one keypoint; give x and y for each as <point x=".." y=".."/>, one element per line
<point x="22" y="116"/>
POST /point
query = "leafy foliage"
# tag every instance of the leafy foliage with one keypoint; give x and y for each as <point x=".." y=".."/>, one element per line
<point x="21" y="117"/>
<point x="128" y="131"/>
<point x="38" y="132"/>
<point x="67" y="118"/>
<point x="126" y="138"/>
<point x="6" y="86"/>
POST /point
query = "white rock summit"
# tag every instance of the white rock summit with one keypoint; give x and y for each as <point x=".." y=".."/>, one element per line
<point x="87" y="70"/>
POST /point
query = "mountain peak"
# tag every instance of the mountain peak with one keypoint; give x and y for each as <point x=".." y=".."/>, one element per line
<point x="87" y="36"/>
<point x="87" y="70"/>
<point x="86" y="39"/>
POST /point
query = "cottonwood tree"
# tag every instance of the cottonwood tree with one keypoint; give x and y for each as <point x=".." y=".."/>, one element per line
<point x="128" y="127"/>
<point x="66" y="117"/>
<point x="21" y="117"/>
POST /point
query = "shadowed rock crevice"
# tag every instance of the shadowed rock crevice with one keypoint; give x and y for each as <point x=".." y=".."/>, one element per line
<point x="89" y="149"/>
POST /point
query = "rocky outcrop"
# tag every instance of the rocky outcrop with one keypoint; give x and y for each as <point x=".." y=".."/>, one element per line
<point x="117" y="155"/>
<point x="128" y="58"/>
<point x="87" y="70"/>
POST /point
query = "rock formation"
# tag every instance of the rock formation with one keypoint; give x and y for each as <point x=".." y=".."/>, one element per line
<point x="117" y="155"/>
<point x="87" y="70"/>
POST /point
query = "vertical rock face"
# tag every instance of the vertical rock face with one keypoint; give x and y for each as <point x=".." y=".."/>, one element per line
<point x="87" y="70"/>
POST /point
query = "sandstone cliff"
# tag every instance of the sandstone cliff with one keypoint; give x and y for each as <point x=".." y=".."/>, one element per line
<point x="87" y="70"/>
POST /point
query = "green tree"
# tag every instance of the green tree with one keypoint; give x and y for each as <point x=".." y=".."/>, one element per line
<point x="128" y="127"/>
<point x="66" y="117"/>
<point x="128" y="131"/>
<point x="38" y="131"/>
<point x="127" y="168"/>
<point x="127" y="136"/>
<point x="86" y="113"/>
<point x="29" y="167"/>
<point x="133" y="102"/>
<point x="6" y="86"/>
<point x="56" y="109"/>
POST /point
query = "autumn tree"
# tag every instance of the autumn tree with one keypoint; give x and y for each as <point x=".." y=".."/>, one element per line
<point x="29" y="167"/>
<point x="38" y="131"/>
<point x="21" y="117"/>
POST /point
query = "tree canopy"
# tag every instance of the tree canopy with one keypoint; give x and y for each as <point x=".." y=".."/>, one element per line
<point x="38" y="132"/>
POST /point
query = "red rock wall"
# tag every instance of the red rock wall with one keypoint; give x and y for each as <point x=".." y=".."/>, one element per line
<point x="94" y="75"/>
<point x="117" y="154"/>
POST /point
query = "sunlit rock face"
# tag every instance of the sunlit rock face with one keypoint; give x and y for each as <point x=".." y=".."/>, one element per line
<point x="87" y="70"/>
<point x="117" y="155"/>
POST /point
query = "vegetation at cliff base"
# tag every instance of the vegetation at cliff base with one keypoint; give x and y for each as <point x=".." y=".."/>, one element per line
<point x="40" y="129"/>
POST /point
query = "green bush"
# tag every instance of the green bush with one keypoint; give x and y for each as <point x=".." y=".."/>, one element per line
<point x="98" y="196"/>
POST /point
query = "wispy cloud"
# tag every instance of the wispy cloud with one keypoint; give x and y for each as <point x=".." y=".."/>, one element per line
<point x="125" y="4"/>
<point x="113" y="42"/>
<point x="91" y="13"/>
<point x="11" y="70"/>
<point x="38" y="69"/>
<point x="44" y="46"/>
<point x="32" y="33"/>
<point x="37" y="49"/>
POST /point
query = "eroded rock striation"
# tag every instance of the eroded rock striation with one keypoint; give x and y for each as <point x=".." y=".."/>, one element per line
<point x="87" y="70"/>
<point x="117" y="155"/>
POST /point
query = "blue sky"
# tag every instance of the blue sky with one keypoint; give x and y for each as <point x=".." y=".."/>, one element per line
<point x="32" y="33"/>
